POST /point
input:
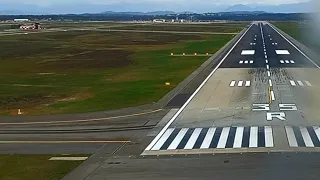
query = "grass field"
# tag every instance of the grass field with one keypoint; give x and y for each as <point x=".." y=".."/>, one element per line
<point x="301" y="31"/>
<point x="224" y="28"/>
<point x="85" y="71"/>
<point x="32" y="167"/>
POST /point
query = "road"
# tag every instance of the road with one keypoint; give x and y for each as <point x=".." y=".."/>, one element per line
<point x="254" y="117"/>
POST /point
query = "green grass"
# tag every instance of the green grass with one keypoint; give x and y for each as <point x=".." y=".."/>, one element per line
<point x="94" y="71"/>
<point x="303" y="31"/>
<point x="223" y="28"/>
<point x="32" y="167"/>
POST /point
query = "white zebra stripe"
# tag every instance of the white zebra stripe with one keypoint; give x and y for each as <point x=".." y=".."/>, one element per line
<point x="223" y="138"/>
<point x="268" y="136"/>
<point x="163" y="139"/>
<point x="306" y="137"/>
<point x="178" y="138"/>
<point x="238" y="137"/>
<point x="208" y="138"/>
<point x="291" y="137"/>
<point x="192" y="140"/>
<point x="253" y="140"/>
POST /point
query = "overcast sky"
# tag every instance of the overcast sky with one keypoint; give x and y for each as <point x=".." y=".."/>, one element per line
<point x="229" y="2"/>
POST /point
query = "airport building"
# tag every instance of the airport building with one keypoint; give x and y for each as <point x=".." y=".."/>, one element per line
<point x="20" y="20"/>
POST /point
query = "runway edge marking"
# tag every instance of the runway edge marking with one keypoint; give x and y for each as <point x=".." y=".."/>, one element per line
<point x="153" y="142"/>
<point x="271" y="25"/>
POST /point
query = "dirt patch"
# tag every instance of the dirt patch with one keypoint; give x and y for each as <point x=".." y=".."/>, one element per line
<point x="24" y="101"/>
<point x="93" y="59"/>
<point x="125" y="77"/>
<point x="78" y="96"/>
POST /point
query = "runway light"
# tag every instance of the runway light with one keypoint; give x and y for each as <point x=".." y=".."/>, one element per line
<point x="207" y="54"/>
<point x="171" y="54"/>
<point x="183" y="54"/>
<point x="195" y="54"/>
<point x="168" y="84"/>
<point x="19" y="112"/>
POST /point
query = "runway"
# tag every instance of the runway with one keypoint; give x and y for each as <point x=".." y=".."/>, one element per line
<point x="261" y="97"/>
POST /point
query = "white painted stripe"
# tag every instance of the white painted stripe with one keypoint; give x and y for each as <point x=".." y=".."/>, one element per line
<point x="292" y="83"/>
<point x="238" y="137"/>
<point x="223" y="138"/>
<point x="300" y="83"/>
<point x="268" y="136"/>
<point x="240" y="83"/>
<point x="306" y="137"/>
<point x="163" y="139"/>
<point x="308" y="83"/>
<point x="253" y="141"/>
<point x="247" y="83"/>
<point x="264" y="50"/>
<point x="291" y="137"/>
<point x="317" y="131"/>
<point x="178" y="138"/>
<point x="251" y="62"/>
<point x="267" y="61"/>
<point x="282" y="52"/>
<point x="265" y="53"/>
<point x="269" y="74"/>
<point x="164" y="129"/>
<point x="240" y="62"/>
<point x="266" y="56"/>
<point x="268" y="66"/>
<point x="232" y="83"/>
<point x="281" y="61"/>
<point x="248" y="52"/>
<point x="193" y="138"/>
<point x="272" y="96"/>
<point x="246" y="62"/>
<point x="294" y="46"/>
<point x="292" y="61"/>
<point x="270" y="83"/>
<point x="287" y="61"/>
<point x="68" y="158"/>
<point x="207" y="140"/>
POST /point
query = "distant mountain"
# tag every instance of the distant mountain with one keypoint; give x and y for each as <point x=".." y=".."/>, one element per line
<point x="283" y="8"/>
<point x="155" y="13"/>
<point x="239" y="8"/>
<point x="150" y="8"/>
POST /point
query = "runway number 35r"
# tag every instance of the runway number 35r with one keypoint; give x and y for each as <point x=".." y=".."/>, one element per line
<point x="279" y="115"/>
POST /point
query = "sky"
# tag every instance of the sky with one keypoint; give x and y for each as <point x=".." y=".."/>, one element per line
<point x="229" y="2"/>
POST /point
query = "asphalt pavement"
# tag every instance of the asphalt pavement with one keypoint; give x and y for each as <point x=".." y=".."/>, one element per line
<point x="253" y="117"/>
<point x="261" y="97"/>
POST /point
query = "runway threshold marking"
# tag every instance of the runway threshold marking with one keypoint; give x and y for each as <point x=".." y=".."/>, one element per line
<point x="154" y="141"/>
<point x="83" y="120"/>
<point x="60" y="142"/>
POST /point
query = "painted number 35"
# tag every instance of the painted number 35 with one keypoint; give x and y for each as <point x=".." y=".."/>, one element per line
<point x="279" y="115"/>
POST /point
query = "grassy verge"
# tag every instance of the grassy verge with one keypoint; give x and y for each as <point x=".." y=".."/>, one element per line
<point x="303" y="31"/>
<point x="31" y="167"/>
<point x="85" y="71"/>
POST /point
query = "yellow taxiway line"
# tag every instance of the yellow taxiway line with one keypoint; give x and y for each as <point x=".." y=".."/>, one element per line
<point x="59" y="142"/>
<point x="82" y="120"/>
